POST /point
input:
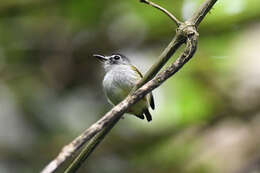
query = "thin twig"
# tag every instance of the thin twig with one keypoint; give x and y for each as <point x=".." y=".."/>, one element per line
<point x="178" y="23"/>
<point x="186" y="30"/>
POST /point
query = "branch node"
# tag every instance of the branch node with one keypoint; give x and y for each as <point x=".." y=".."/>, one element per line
<point x="188" y="30"/>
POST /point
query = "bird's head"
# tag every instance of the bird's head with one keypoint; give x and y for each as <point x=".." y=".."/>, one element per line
<point x="113" y="60"/>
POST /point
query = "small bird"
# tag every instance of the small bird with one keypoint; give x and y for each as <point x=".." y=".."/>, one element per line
<point x="120" y="78"/>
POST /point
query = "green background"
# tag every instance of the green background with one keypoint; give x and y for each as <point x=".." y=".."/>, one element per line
<point x="207" y="117"/>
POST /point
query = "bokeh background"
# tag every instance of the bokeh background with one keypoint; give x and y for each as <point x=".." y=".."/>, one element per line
<point x="207" y="117"/>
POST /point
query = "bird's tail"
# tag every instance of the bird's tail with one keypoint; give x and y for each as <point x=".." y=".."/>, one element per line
<point x="147" y="115"/>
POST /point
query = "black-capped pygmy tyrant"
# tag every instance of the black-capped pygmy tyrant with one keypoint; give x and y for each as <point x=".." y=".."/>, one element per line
<point x="120" y="78"/>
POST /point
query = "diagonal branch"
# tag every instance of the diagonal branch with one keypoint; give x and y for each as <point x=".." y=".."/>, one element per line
<point x="186" y="33"/>
<point x="172" y="47"/>
<point x="119" y="109"/>
<point x="89" y="148"/>
<point x="199" y="15"/>
<point x="178" y="23"/>
<point x="177" y="41"/>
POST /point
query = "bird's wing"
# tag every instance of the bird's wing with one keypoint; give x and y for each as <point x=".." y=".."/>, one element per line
<point x="150" y="96"/>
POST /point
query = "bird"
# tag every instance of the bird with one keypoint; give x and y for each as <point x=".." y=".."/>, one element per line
<point x="120" y="78"/>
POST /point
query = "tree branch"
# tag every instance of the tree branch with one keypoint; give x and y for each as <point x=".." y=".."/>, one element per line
<point x="186" y="32"/>
<point x="89" y="148"/>
<point x="199" y="15"/>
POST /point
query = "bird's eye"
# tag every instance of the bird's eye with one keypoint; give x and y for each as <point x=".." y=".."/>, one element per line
<point x="116" y="57"/>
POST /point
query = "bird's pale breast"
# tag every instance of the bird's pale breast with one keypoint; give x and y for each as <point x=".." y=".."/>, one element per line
<point x="118" y="82"/>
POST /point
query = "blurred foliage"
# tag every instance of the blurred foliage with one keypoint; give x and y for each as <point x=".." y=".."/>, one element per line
<point x="206" y="117"/>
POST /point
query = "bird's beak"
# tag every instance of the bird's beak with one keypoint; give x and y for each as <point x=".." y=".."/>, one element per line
<point x="101" y="58"/>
